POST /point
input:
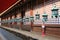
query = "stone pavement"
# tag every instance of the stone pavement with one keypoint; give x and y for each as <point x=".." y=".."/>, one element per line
<point x="34" y="34"/>
<point x="5" y="35"/>
<point x="2" y="37"/>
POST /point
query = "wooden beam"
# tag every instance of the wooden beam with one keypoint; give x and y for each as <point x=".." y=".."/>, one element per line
<point x="9" y="7"/>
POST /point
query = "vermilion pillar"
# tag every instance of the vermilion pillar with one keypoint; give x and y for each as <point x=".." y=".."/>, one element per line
<point x="9" y="22"/>
<point x="31" y="14"/>
<point x="10" y="19"/>
<point x="22" y="16"/>
<point x="18" y="22"/>
<point x="14" y="18"/>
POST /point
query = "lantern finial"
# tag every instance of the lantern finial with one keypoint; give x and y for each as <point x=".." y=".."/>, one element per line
<point x="54" y="7"/>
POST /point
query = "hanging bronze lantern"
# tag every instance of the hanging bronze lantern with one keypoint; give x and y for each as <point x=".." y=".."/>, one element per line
<point x="54" y="11"/>
<point x="27" y="19"/>
<point x="31" y="18"/>
<point x="37" y="16"/>
<point x="45" y="17"/>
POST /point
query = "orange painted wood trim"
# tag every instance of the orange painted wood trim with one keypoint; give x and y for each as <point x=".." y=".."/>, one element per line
<point x="31" y="12"/>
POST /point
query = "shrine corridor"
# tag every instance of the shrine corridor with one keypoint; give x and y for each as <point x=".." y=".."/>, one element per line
<point x="5" y="35"/>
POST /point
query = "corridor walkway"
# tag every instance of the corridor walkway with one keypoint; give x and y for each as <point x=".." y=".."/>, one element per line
<point x="33" y="34"/>
<point x="5" y="35"/>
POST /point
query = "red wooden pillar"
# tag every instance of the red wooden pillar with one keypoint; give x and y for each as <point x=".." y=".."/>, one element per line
<point x="13" y="24"/>
<point x="31" y="14"/>
<point x="10" y="19"/>
<point x="9" y="22"/>
<point x="43" y="30"/>
<point x="6" y="23"/>
<point x="14" y="18"/>
<point x="21" y="21"/>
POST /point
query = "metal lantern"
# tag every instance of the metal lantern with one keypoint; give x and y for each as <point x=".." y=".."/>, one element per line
<point x="5" y="21"/>
<point x="27" y="19"/>
<point x="2" y="21"/>
<point x="32" y="18"/>
<point x="12" y="20"/>
<point x="45" y="17"/>
<point x="15" y="20"/>
<point x="55" y="11"/>
<point x="37" y="16"/>
<point x="9" y="21"/>
<point x="24" y="20"/>
<point x="20" y="19"/>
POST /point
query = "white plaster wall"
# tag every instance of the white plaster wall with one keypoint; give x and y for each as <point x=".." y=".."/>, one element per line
<point x="8" y="18"/>
<point x="18" y="15"/>
<point x="27" y="14"/>
<point x="13" y="17"/>
<point x="47" y="8"/>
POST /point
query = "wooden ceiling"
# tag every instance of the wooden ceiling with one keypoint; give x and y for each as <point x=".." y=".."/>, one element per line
<point x="8" y="3"/>
<point x="4" y="4"/>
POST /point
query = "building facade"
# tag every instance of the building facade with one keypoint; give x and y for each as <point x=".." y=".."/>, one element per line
<point x="31" y="15"/>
